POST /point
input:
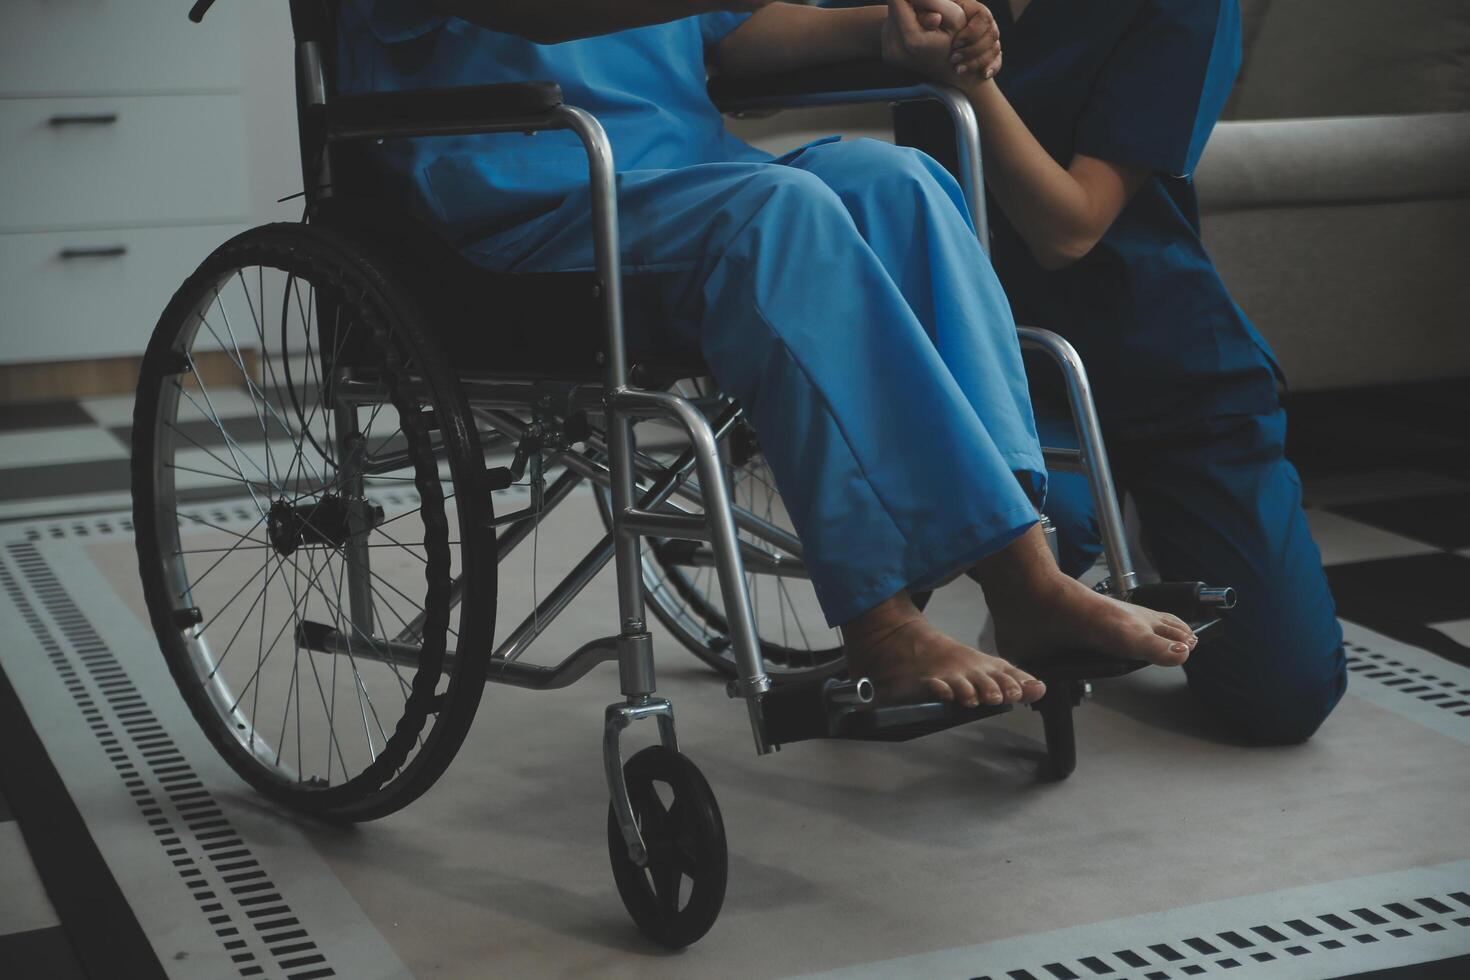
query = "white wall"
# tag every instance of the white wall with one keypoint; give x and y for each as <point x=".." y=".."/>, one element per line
<point x="270" y="110"/>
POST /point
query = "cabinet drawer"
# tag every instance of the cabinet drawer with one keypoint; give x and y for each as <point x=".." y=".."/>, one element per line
<point x="86" y="163"/>
<point x="60" y="47"/>
<point x="98" y="305"/>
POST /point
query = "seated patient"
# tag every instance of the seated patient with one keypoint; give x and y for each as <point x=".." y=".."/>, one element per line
<point x="1091" y="130"/>
<point x="833" y="291"/>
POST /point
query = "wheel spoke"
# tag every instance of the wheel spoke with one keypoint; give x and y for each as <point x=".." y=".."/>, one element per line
<point x="239" y="542"/>
<point x="239" y="362"/>
<point x="666" y="875"/>
<point x="213" y="416"/>
<point x="329" y="710"/>
<point x="381" y="630"/>
<point x="247" y="484"/>
<point x="231" y="601"/>
<point x="686" y="861"/>
<point x="264" y="653"/>
<point x="370" y="642"/>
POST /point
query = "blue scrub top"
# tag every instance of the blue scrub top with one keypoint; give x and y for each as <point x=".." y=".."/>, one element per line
<point x="1138" y="82"/>
<point x="646" y="86"/>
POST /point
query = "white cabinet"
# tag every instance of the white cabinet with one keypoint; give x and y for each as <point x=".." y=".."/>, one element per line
<point x="123" y="161"/>
<point x="77" y="294"/>
<point x="102" y="162"/>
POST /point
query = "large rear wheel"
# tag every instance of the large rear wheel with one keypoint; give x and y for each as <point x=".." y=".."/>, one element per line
<point x="310" y="506"/>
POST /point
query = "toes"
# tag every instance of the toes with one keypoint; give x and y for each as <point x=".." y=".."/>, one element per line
<point x="964" y="691"/>
<point x="1031" y="688"/>
<point x="1181" y="626"/>
<point x="987" y="688"/>
<point x="1171" y="632"/>
<point x="937" y="689"/>
<point x="1172" y="653"/>
<point x="1009" y="686"/>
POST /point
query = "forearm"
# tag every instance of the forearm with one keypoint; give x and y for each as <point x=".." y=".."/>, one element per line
<point x="1060" y="212"/>
<point x="785" y="36"/>
<point x="566" y="20"/>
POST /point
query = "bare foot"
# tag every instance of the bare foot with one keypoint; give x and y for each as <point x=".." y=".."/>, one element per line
<point x="909" y="660"/>
<point x="1066" y="616"/>
<point x="1041" y="612"/>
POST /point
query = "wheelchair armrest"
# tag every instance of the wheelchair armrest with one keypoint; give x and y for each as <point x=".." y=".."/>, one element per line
<point x="849" y="81"/>
<point x="445" y="111"/>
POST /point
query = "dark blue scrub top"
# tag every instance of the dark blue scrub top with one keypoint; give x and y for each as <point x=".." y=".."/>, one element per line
<point x="646" y="86"/>
<point x="1138" y="82"/>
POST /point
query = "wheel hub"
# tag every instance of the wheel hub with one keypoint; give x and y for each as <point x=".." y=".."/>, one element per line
<point x="744" y="446"/>
<point x="324" y="522"/>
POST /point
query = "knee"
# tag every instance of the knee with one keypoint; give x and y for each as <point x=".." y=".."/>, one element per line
<point x="1281" y="724"/>
<point x="900" y="173"/>
<point x="787" y="195"/>
<point x="877" y="158"/>
<point x="1275" y="707"/>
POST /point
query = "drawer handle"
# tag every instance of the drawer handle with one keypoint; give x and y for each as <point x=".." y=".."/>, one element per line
<point x="83" y="119"/>
<point x="96" y="252"/>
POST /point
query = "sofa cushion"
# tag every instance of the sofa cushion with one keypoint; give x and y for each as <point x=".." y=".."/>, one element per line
<point x="1363" y="159"/>
<point x="1354" y="58"/>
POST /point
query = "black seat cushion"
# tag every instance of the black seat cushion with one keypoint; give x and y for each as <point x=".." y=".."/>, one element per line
<point x="443" y="105"/>
<point x="512" y="325"/>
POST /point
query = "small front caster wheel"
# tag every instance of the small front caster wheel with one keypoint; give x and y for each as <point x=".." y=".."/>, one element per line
<point x="676" y="895"/>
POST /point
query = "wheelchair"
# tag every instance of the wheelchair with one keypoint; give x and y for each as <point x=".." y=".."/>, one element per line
<point x="317" y="416"/>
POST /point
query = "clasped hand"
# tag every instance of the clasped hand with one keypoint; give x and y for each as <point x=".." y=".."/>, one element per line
<point x="948" y="40"/>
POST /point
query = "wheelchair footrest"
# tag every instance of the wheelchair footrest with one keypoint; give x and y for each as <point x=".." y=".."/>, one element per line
<point x="841" y="708"/>
<point x="837" y="708"/>
<point x="1063" y="668"/>
<point x="902" y="722"/>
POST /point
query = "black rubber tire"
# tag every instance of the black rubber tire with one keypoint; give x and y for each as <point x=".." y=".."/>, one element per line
<point x="685" y="841"/>
<point x="352" y="274"/>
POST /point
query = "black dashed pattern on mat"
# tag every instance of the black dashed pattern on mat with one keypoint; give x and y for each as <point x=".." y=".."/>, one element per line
<point x="235" y="895"/>
<point x="1219" y="954"/>
<point x="1406" y="679"/>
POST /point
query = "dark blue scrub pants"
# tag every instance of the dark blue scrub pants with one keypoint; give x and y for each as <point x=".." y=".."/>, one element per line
<point x="1218" y="502"/>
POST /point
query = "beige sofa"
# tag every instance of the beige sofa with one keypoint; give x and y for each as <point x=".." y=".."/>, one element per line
<point x="1335" y="195"/>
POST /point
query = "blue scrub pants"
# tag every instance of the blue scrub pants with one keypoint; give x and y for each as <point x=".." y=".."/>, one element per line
<point x="840" y="294"/>
<point x="1218" y="502"/>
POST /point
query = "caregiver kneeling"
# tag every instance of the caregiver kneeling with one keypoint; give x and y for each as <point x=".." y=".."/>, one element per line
<point x="1091" y="128"/>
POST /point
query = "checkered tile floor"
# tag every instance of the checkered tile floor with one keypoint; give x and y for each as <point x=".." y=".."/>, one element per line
<point x="1387" y="482"/>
